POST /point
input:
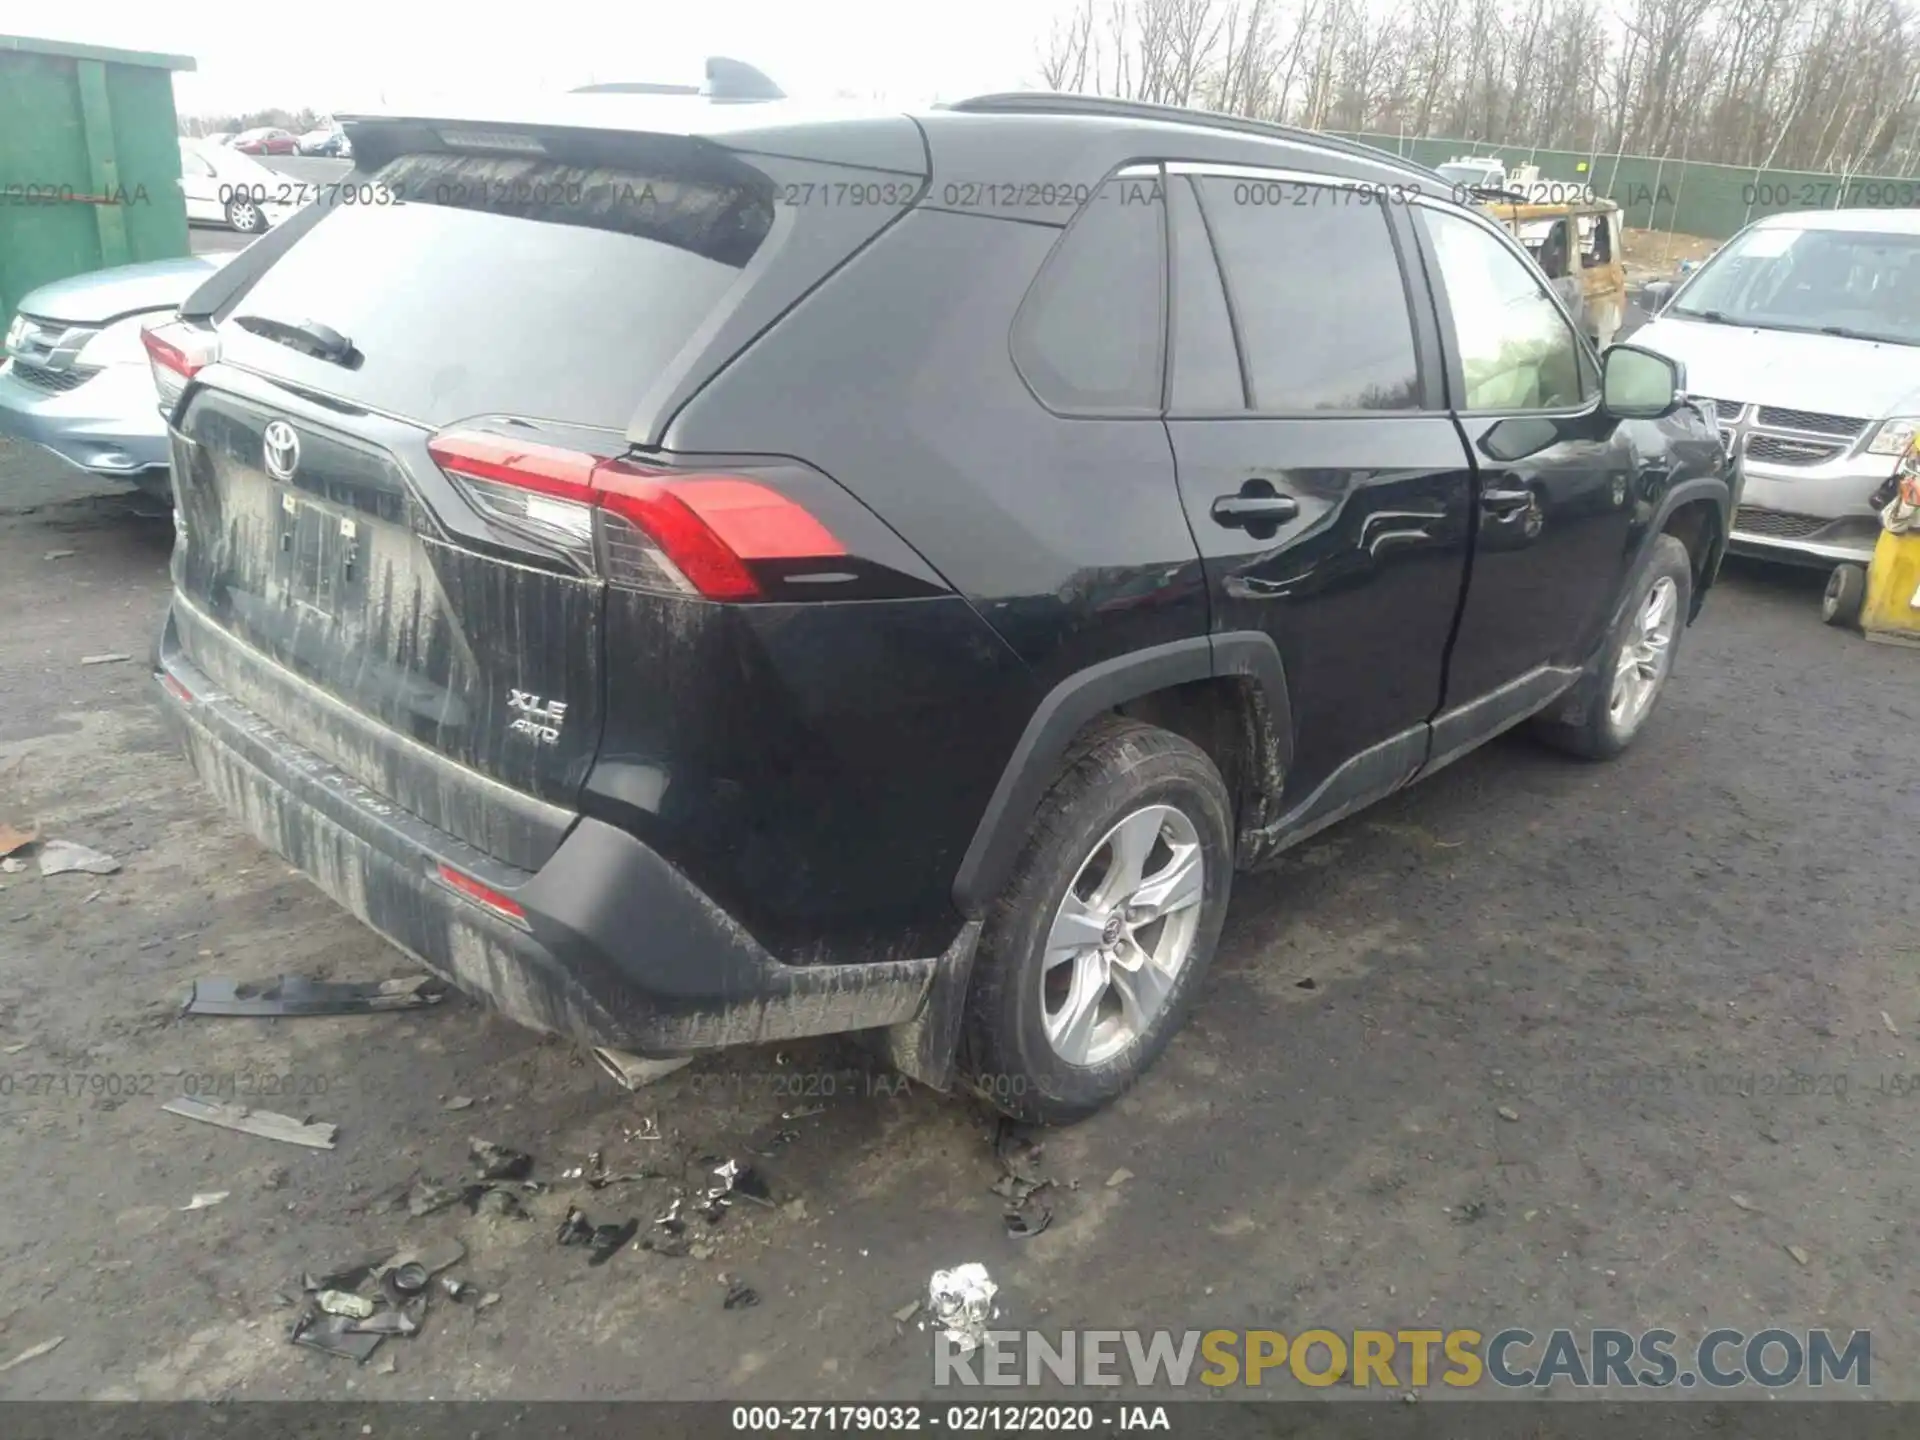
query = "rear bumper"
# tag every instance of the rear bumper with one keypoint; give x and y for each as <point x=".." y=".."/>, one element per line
<point x="109" y="424"/>
<point x="617" y="949"/>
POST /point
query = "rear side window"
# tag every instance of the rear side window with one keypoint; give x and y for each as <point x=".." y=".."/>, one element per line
<point x="472" y="285"/>
<point x="1316" y="293"/>
<point x="1090" y="333"/>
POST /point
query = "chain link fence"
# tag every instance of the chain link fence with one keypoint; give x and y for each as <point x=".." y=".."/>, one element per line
<point x="1693" y="198"/>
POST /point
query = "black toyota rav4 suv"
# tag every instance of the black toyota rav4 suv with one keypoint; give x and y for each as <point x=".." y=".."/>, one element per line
<point x="700" y="574"/>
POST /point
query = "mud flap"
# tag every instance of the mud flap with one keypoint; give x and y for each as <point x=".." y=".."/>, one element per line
<point x="923" y="1047"/>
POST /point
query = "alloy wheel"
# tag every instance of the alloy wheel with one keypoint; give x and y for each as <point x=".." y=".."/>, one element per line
<point x="1646" y="656"/>
<point x="1121" y="935"/>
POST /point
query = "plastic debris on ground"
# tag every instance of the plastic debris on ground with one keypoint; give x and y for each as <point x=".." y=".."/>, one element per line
<point x="404" y="1280"/>
<point x="33" y="1352"/>
<point x="112" y="657"/>
<point x="1020" y="1181"/>
<point x="339" y="1320"/>
<point x="403" y="1320"/>
<point x="63" y="857"/>
<point x="774" y="1143"/>
<point x="668" y="1234"/>
<point x="609" y="1240"/>
<point x="734" y="1181"/>
<point x="598" y="1177"/>
<point x="1025" y="1224"/>
<point x="630" y="1072"/>
<point x="603" y="1242"/>
<point x="499" y="1162"/>
<point x="206" y="1199"/>
<point x="13" y="838"/>
<point x="426" y="1199"/>
<point x="433" y="1258"/>
<point x="344" y="1302"/>
<point x="575" y="1229"/>
<point x="292" y="995"/>
<point x="347" y="1277"/>
<point x="330" y="1333"/>
<point x="960" y="1303"/>
<point x="316" y="1134"/>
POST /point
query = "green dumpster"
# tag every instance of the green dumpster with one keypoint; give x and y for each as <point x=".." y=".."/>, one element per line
<point x="89" y="162"/>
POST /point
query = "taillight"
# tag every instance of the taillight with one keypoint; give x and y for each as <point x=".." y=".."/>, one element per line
<point x="694" y="534"/>
<point x="177" y="351"/>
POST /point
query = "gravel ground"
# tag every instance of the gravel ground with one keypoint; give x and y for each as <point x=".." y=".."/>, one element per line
<point x="1662" y="970"/>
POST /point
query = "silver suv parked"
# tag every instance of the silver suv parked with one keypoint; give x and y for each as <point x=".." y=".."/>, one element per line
<point x="1805" y="331"/>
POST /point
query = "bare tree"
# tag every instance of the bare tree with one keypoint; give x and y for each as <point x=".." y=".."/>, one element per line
<point x="1797" y="84"/>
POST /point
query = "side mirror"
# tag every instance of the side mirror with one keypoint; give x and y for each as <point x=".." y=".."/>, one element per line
<point x="1658" y="293"/>
<point x="1636" y="384"/>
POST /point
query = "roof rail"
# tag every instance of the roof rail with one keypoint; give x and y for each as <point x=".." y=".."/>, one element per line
<point x="635" y="87"/>
<point x="1050" y="102"/>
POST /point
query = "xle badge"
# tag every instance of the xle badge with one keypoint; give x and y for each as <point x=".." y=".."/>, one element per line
<point x="537" y="720"/>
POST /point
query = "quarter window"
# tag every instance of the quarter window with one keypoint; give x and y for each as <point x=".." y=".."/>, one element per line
<point x="1091" y="333"/>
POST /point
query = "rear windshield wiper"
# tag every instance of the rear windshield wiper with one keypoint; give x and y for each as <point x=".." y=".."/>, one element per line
<point x="309" y="337"/>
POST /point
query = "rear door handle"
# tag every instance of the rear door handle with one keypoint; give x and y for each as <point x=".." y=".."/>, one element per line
<point x="1241" y="511"/>
<point x="1506" y="502"/>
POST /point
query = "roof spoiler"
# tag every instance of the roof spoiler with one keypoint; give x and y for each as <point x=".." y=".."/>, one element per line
<point x="728" y="82"/>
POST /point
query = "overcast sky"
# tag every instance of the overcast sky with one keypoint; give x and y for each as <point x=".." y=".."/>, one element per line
<point x="337" y="54"/>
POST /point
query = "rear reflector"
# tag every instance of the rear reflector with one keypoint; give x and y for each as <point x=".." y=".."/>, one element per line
<point x="177" y="351"/>
<point x="481" y="895"/>
<point x="177" y="690"/>
<point x="682" y="532"/>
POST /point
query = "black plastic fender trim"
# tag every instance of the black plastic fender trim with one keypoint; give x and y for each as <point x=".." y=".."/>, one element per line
<point x="1078" y="699"/>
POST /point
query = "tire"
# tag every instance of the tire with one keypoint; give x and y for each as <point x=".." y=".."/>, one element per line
<point x="1594" y="724"/>
<point x="1157" y="793"/>
<point x="1846" y="594"/>
<point x="245" y="216"/>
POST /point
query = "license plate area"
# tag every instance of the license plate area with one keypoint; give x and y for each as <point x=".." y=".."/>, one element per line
<point x="322" y="557"/>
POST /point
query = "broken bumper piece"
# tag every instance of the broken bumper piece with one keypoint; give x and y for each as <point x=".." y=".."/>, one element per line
<point x="611" y="944"/>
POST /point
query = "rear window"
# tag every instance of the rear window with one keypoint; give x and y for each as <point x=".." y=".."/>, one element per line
<point x="471" y="285"/>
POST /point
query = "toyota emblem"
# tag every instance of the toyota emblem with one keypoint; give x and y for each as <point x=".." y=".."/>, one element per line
<point x="282" y="449"/>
